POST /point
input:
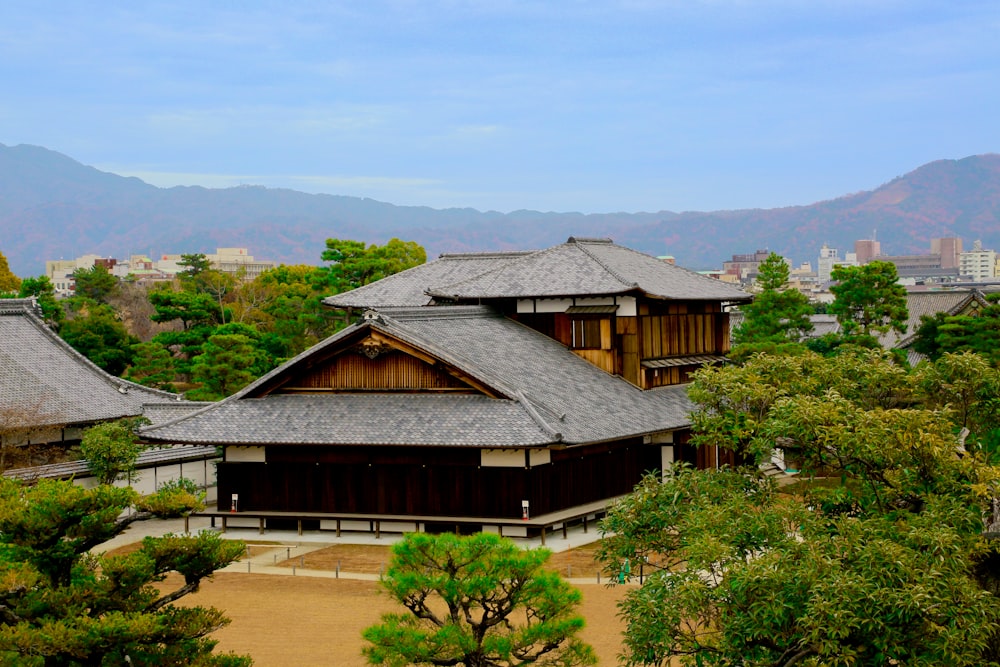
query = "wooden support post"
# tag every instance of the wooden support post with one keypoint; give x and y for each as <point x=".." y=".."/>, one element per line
<point x="300" y="526"/>
<point x="585" y="523"/>
<point x="543" y="536"/>
<point x="223" y="524"/>
<point x="186" y="527"/>
<point x="338" y="527"/>
<point x="260" y="528"/>
<point x="378" y="529"/>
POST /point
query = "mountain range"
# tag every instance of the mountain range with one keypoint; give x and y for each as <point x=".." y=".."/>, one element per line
<point x="52" y="207"/>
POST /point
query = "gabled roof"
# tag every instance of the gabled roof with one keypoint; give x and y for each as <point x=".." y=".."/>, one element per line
<point x="579" y="267"/>
<point x="589" y="267"/>
<point x="44" y="376"/>
<point x="409" y="288"/>
<point x="952" y="302"/>
<point x="544" y="394"/>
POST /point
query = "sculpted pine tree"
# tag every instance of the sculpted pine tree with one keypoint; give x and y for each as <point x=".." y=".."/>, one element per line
<point x="478" y="601"/>
<point x="62" y="605"/>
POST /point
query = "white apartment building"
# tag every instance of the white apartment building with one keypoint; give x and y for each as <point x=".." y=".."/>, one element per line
<point x="978" y="264"/>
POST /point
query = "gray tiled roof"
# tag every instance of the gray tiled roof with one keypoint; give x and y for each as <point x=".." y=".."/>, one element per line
<point x="550" y="395"/>
<point x="929" y="303"/>
<point x="409" y="288"/>
<point x="41" y="374"/>
<point x="589" y="267"/>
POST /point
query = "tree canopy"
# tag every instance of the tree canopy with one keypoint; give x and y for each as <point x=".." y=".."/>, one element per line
<point x="9" y="283"/>
<point x="777" y="314"/>
<point x="61" y="605"/>
<point x="868" y="299"/>
<point x="111" y="449"/>
<point x="96" y="283"/>
<point x="876" y="556"/>
<point x="478" y="601"/>
<point x="354" y="264"/>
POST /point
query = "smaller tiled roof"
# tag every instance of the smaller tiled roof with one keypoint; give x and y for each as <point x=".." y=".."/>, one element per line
<point x="157" y="456"/>
<point x="929" y="303"/>
<point x="45" y="377"/>
<point x="409" y="288"/>
<point x="690" y="360"/>
<point x="589" y="267"/>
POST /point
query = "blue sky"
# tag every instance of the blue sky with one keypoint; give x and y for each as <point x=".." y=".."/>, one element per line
<point x="637" y="105"/>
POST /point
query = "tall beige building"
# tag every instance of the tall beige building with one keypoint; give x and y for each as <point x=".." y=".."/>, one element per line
<point x="866" y="250"/>
<point x="950" y="250"/>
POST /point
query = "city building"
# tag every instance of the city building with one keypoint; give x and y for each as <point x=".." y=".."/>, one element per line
<point x="978" y="263"/>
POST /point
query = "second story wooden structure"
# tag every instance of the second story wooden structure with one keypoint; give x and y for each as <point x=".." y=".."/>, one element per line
<point x="628" y="313"/>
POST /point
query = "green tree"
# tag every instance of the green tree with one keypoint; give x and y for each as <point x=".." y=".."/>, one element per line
<point x="111" y="449"/>
<point x="96" y="283"/>
<point x="226" y="365"/>
<point x="9" y="283"/>
<point x="191" y="308"/>
<point x="97" y="333"/>
<point x="476" y="601"/>
<point x="943" y="333"/>
<point x="869" y="299"/>
<point x="354" y="264"/>
<point x="60" y="604"/>
<point x="194" y="264"/>
<point x="777" y="314"/>
<point x="876" y="557"/>
<point x="152" y="366"/>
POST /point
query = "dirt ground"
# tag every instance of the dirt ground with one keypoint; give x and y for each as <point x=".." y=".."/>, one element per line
<point x="305" y="621"/>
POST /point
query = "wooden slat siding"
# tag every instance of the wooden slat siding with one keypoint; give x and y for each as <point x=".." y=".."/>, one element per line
<point x="438" y="489"/>
<point x="603" y="359"/>
<point x="679" y="335"/>
<point x="629" y="360"/>
<point x="389" y="371"/>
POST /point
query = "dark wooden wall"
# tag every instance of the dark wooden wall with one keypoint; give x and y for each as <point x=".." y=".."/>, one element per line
<point x="431" y="481"/>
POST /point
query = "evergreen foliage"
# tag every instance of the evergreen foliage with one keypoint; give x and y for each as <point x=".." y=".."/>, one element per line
<point x="62" y="605"/>
<point x="868" y="299"/>
<point x="477" y="601"/>
<point x="777" y="314"/>
<point x="877" y="556"/>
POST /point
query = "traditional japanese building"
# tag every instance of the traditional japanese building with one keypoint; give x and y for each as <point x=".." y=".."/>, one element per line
<point x="49" y="392"/>
<point x="483" y="386"/>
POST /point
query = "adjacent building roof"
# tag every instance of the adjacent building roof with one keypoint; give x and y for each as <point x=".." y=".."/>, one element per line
<point x="579" y="267"/>
<point x="918" y="304"/>
<point x="590" y="267"/>
<point x="546" y="394"/>
<point x="53" y="383"/>
<point x="409" y="288"/>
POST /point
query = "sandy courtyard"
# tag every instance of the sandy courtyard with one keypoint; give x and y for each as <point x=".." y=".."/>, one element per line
<point x="284" y="620"/>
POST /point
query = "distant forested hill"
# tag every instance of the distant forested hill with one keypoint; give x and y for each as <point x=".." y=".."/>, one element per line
<point x="52" y="206"/>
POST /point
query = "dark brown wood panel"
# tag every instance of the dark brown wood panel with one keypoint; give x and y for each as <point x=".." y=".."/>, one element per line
<point x="389" y="371"/>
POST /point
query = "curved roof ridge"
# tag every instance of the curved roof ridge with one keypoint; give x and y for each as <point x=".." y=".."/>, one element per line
<point x="617" y="276"/>
<point x="120" y="384"/>
<point x="536" y="416"/>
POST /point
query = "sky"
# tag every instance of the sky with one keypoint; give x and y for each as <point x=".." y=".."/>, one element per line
<point x="635" y="105"/>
